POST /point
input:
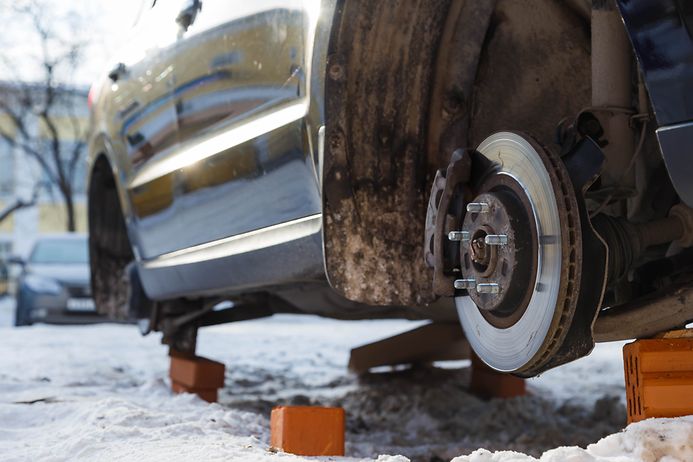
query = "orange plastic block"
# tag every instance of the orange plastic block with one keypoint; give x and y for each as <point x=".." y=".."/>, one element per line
<point x="211" y="395"/>
<point x="196" y="372"/>
<point x="488" y="383"/>
<point x="308" y="430"/>
<point x="659" y="378"/>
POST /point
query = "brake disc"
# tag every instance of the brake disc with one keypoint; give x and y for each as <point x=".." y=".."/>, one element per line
<point x="521" y="258"/>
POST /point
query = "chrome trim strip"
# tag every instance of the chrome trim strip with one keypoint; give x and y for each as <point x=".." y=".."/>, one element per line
<point x="241" y="243"/>
<point x="321" y="153"/>
<point x="234" y="136"/>
<point x="666" y="128"/>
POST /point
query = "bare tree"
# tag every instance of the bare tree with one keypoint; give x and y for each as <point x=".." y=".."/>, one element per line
<point x="41" y="110"/>
<point x="20" y="203"/>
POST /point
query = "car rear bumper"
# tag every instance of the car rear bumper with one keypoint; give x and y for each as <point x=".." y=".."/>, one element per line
<point x="59" y="309"/>
<point x="62" y="316"/>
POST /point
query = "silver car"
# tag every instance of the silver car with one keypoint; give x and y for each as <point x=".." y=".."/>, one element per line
<point x="520" y="169"/>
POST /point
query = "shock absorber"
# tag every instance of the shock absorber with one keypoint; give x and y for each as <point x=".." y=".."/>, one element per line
<point x="612" y="93"/>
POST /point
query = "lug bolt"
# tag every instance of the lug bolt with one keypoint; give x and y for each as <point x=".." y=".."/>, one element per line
<point x="487" y="288"/>
<point x="477" y="207"/>
<point x="459" y="236"/>
<point x="496" y="239"/>
<point x="465" y="283"/>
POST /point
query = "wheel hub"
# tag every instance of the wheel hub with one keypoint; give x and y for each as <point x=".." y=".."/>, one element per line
<point x="502" y="251"/>
<point x="523" y="233"/>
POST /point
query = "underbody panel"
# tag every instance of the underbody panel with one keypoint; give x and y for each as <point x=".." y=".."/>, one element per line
<point x="662" y="36"/>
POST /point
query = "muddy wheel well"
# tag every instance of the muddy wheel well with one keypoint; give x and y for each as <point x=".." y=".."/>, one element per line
<point x="109" y="246"/>
<point x="404" y="87"/>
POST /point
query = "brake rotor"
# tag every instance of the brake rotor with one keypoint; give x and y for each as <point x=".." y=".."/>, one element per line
<point x="521" y="256"/>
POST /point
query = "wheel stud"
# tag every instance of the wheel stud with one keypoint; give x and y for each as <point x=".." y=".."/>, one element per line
<point x="459" y="236"/>
<point x="496" y="239"/>
<point x="487" y="288"/>
<point x="477" y="207"/>
<point x="465" y="283"/>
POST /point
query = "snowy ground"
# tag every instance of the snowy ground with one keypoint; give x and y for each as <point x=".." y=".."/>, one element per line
<point x="101" y="393"/>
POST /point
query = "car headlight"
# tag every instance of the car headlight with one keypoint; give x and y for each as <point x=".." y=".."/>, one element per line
<point x="42" y="284"/>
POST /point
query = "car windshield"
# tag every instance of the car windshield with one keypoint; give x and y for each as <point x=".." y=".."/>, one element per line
<point x="50" y="251"/>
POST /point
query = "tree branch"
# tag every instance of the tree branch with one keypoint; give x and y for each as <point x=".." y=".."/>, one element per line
<point x="20" y="204"/>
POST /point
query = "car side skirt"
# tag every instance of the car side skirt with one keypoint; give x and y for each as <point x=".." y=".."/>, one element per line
<point x="287" y="253"/>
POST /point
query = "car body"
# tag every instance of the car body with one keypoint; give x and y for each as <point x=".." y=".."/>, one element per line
<point x="4" y="279"/>
<point x="4" y="268"/>
<point x="54" y="284"/>
<point x="289" y="149"/>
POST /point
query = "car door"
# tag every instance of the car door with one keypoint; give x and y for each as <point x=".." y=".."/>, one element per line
<point x="244" y="160"/>
<point x="145" y="118"/>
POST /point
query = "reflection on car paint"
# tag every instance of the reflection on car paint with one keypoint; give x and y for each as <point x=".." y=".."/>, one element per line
<point x="665" y="51"/>
<point x="223" y="76"/>
<point x="232" y="180"/>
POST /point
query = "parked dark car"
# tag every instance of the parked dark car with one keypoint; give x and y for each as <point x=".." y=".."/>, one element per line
<point x="520" y="167"/>
<point x="54" y="285"/>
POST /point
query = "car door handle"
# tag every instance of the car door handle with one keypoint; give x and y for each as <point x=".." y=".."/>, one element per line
<point x="188" y="14"/>
<point x="118" y="72"/>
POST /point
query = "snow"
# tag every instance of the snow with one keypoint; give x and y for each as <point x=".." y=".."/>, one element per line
<point x="663" y="440"/>
<point x="101" y="392"/>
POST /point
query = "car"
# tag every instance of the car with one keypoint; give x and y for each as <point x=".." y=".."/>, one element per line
<point x="4" y="268"/>
<point x="520" y="168"/>
<point x="54" y="285"/>
<point x="4" y="279"/>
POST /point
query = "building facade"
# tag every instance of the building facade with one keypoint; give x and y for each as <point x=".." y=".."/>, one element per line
<point x="20" y="172"/>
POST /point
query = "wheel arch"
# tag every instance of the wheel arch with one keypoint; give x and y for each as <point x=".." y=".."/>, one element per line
<point x="407" y="85"/>
<point x="109" y="245"/>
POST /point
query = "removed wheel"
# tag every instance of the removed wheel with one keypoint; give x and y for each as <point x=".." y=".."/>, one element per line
<point x="521" y="258"/>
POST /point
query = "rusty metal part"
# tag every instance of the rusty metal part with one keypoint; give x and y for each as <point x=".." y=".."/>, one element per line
<point x="512" y="266"/>
<point x="628" y="241"/>
<point x="583" y="163"/>
<point x="685" y="215"/>
<point x="183" y="339"/>
<point x="661" y="231"/>
<point x="445" y="204"/>
<point x="663" y="310"/>
<point x="179" y="319"/>
<point x="179" y="313"/>
<point x="573" y="329"/>
<point x="533" y="339"/>
<point x="612" y="87"/>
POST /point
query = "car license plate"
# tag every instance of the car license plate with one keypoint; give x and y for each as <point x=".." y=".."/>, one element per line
<point x="80" y="304"/>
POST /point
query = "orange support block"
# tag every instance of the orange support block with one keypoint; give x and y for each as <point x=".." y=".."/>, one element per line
<point x="211" y="395"/>
<point x="308" y="430"/>
<point x="194" y="374"/>
<point x="488" y="383"/>
<point x="659" y="378"/>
